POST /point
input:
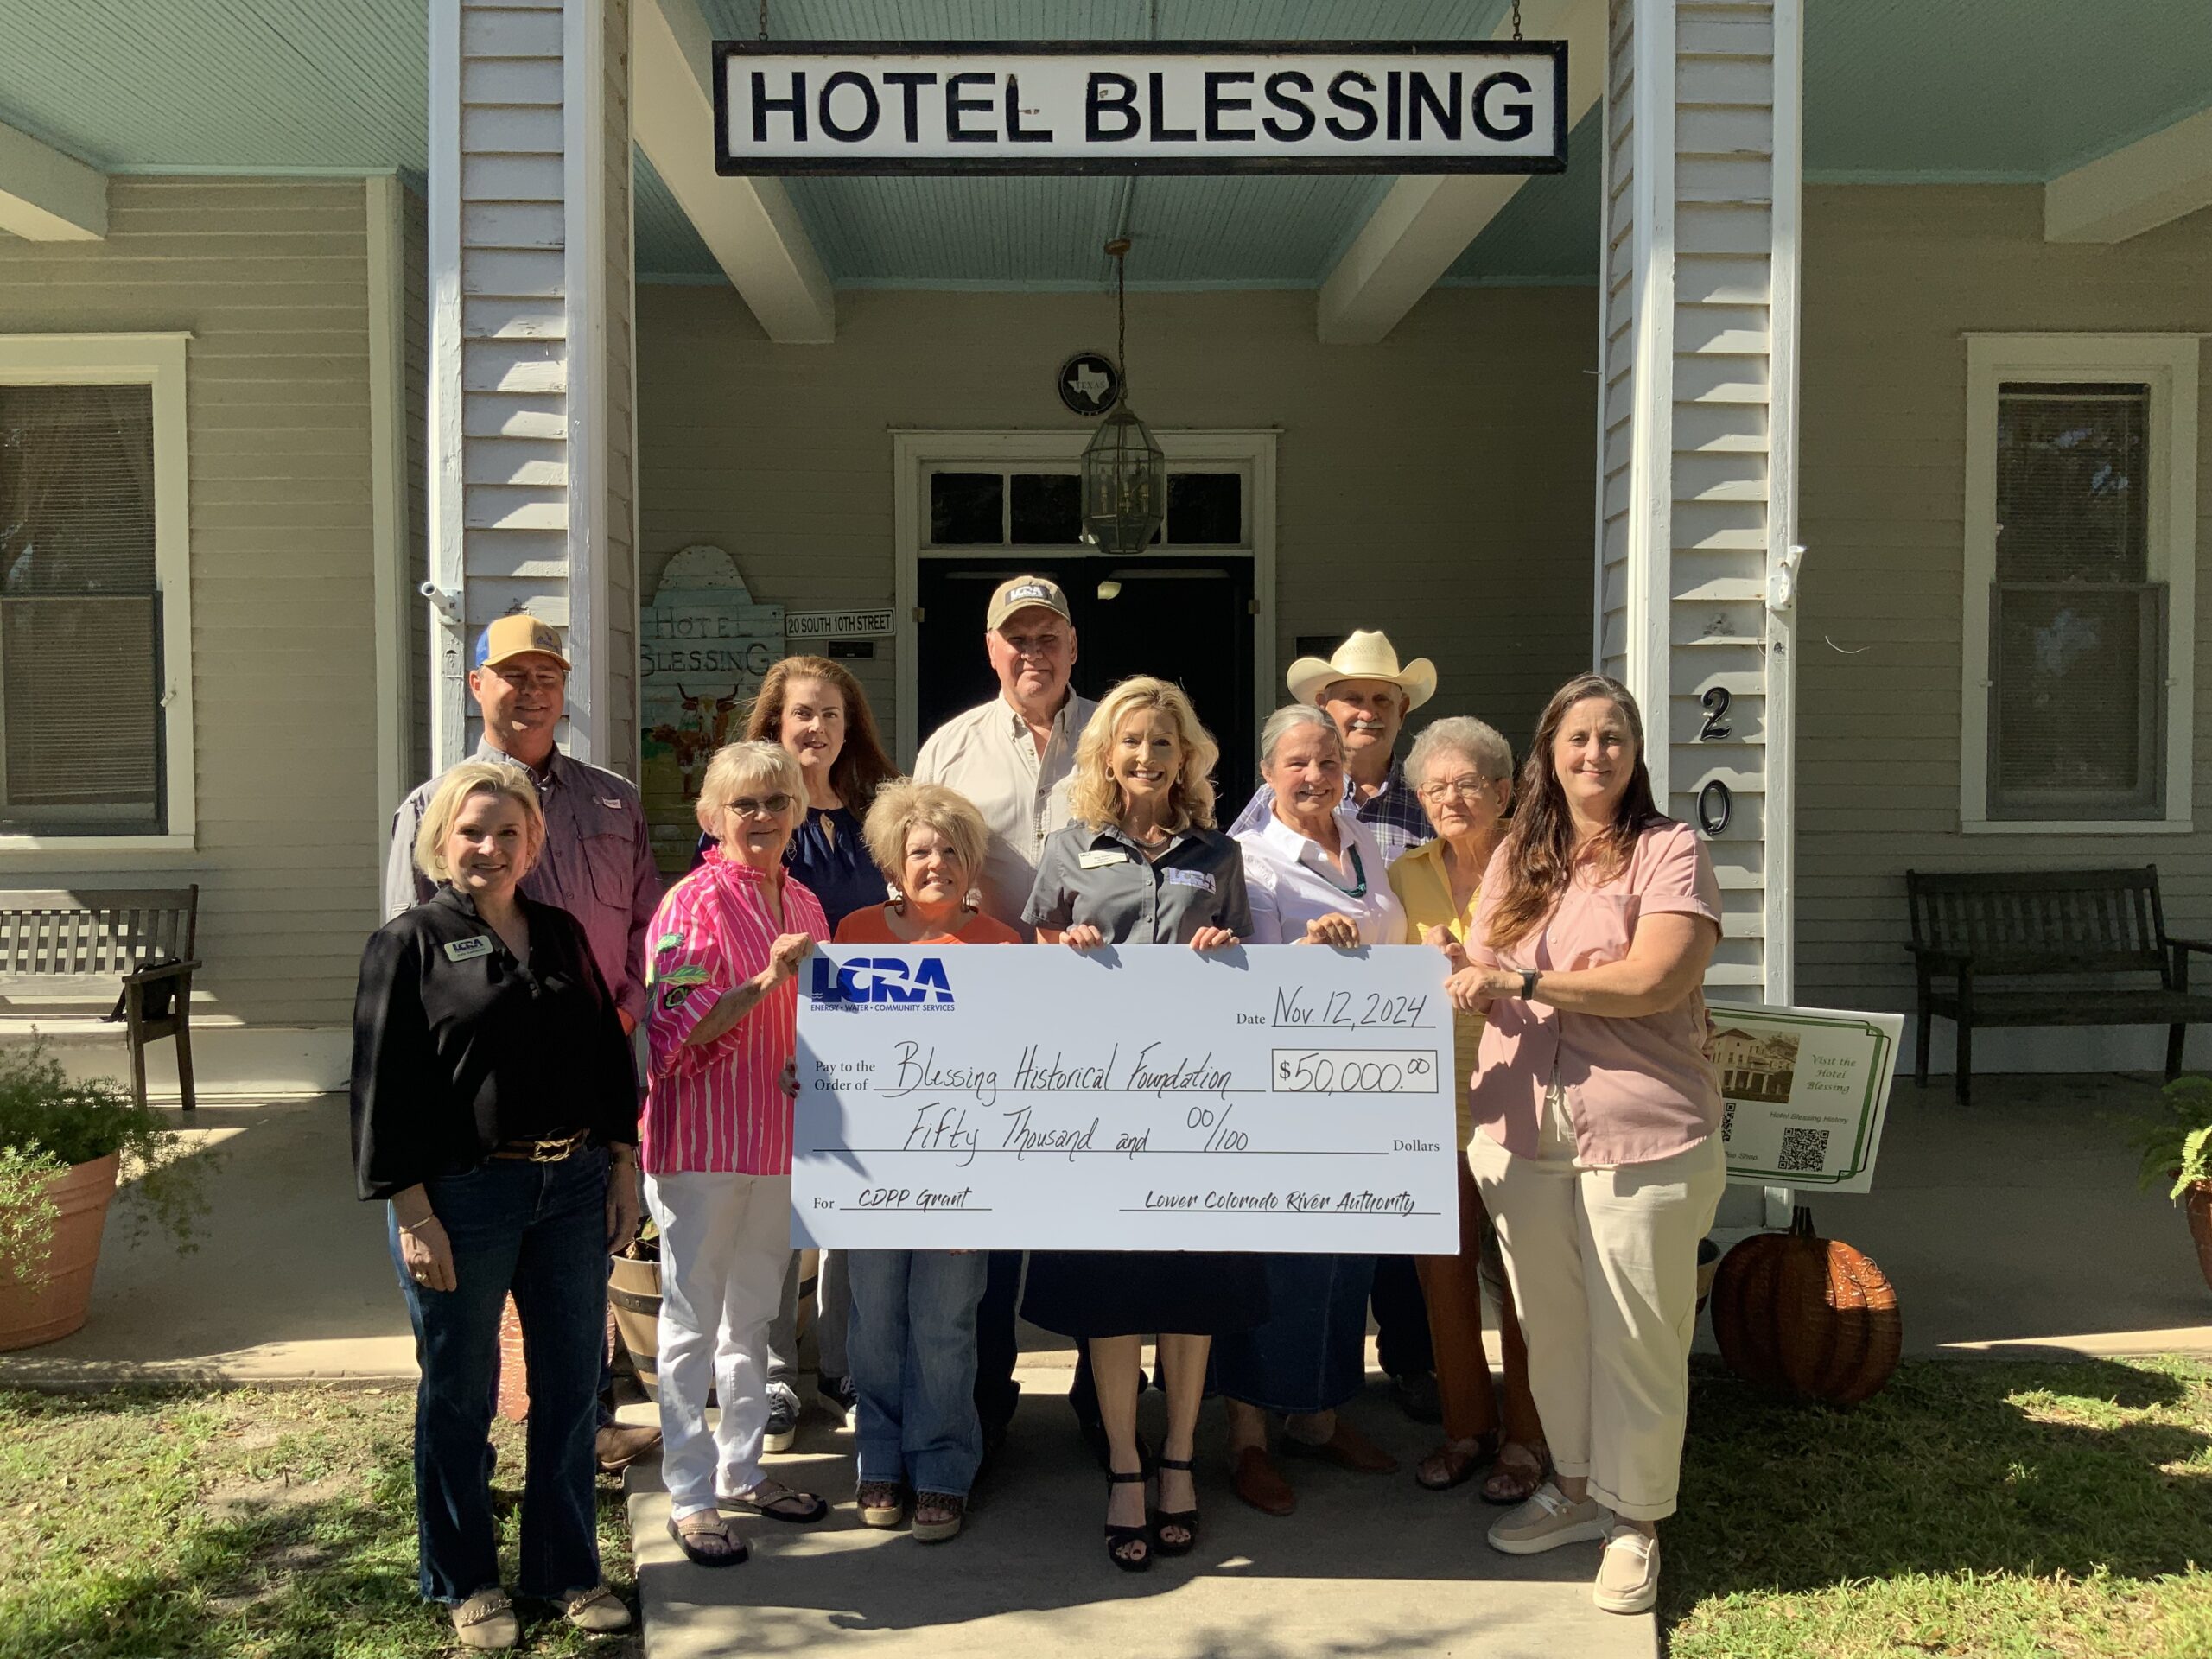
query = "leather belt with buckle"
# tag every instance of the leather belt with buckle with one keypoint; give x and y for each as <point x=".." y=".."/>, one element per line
<point x="551" y="1150"/>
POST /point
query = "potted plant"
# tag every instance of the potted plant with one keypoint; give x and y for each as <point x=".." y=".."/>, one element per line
<point x="62" y="1147"/>
<point x="2177" y="1153"/>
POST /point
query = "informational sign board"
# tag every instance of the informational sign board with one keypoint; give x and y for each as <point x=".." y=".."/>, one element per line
<point x="837" y="625"/>
<point x="1806" y="1092"/>
<point x="1277" y="1098"/>
<point x="1132" y="106"/>
<point x="702" y="647"/>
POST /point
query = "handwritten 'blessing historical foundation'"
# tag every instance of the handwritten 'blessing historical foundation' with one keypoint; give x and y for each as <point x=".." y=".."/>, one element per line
<point x="1281" y="1097"/>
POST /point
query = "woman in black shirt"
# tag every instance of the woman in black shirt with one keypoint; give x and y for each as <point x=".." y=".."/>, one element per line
<point x="493" y="1087"/>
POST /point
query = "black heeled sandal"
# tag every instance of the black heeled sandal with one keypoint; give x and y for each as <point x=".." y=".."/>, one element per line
<point x="1187" y="1520"/>
<point x="1118" y="1537"/>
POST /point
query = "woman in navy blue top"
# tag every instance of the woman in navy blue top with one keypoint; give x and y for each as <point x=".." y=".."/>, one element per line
<point x="815" y="709"/>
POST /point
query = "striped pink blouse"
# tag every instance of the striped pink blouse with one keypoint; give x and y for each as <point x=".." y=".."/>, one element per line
<point x="716" y="1106"/>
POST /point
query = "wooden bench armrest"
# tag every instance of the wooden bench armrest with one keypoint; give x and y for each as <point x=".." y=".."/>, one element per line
<point x="2202" y="945"/>
<point x="162" y="970"/>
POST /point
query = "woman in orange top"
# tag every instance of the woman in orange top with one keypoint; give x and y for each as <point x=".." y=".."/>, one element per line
<point x="917" y="1427"/>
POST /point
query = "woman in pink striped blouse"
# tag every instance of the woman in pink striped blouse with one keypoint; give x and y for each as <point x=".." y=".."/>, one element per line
<point x="716" y="1140"/>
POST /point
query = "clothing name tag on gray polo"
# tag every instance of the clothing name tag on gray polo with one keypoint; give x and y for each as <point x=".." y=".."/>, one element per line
<point x="1200" y="879"/>
<point x="462" y="950"/>
<point x="1105" y="855"/>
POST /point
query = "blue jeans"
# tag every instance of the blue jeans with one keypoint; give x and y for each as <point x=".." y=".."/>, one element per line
<point x="539" y="1231"/>
<point x="912" y="1353"/>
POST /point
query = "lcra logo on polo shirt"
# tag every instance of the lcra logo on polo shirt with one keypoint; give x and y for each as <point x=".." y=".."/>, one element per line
<point x="879" y="982"/>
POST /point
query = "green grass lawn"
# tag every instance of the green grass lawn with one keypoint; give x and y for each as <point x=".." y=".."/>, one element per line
<point x="1997" y="1509"/>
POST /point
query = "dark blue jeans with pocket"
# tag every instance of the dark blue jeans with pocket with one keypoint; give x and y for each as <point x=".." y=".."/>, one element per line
<point x="539" y="1231"/>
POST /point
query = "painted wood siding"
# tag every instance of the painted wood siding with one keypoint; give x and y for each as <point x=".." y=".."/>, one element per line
<point x="415" y="616"/>
<point x="1893" y="278"/>
<point x="271" y="279"/>
<point x="1437" y="485"/>
<point x="622" y="549"/>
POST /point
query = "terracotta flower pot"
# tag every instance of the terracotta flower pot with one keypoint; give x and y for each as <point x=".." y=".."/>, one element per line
<point x="51" y="1310"/>
<point x="2198" y="1202"/>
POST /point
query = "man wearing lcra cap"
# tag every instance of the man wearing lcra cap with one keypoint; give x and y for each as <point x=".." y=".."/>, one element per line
<point x="597" y="863"/>
<point x="1012" y="758"/>
<point x="1363" y="689"/>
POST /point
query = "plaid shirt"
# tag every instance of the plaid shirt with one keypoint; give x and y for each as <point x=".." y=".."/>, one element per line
<point x="1394" y="812"/>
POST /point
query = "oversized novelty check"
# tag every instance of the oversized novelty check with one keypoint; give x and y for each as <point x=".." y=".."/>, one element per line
<point x="1277" y="1098"/>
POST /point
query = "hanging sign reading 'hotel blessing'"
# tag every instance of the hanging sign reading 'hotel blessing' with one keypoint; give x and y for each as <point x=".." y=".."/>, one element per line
<point x="1124" y="106"/>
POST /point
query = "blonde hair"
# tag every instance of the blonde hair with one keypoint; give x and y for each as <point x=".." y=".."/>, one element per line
<point x="475" y="778"/>
<point x="902" y="804"/>
<point x="1093" y="796"/>
<point x="750" y="761"/>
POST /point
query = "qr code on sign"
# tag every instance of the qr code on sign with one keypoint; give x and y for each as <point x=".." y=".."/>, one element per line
<point x="1727" y="1121"/>
<point x="1803" y="1150"/>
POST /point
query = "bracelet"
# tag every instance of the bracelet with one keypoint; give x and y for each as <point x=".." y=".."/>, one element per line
<point x="1528" y="977"/>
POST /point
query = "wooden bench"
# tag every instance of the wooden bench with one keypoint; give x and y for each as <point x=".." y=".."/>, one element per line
<point x="63" y="945"/>
<point x="2098" y="939"/>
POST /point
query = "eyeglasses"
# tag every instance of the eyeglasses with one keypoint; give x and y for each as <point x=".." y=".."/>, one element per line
<point x="773" y="807"/>
<point x="1467" y="788"/>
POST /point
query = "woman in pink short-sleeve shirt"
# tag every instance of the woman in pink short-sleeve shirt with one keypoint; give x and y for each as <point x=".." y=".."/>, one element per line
<point x="1595" y="1109"/>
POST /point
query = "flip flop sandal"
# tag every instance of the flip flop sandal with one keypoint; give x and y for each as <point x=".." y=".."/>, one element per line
<point x="692" y="1540"/>
<point x="1514" y="1480"/>
<point x="1459" y="1459"/>
<point x="777" y="1506"/>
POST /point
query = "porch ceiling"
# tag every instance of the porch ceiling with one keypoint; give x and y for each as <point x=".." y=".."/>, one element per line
<point x="1896" y="90"/>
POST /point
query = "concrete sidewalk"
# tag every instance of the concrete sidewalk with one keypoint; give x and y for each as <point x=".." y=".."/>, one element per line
<point x="1369" y="1565"/>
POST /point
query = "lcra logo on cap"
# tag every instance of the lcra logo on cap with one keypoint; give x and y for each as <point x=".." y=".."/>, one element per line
<point x="879" y="982"/>
<point x="1030" y="590"/>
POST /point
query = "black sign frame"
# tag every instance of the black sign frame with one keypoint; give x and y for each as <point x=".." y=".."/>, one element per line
<point x="1137" y="165"/>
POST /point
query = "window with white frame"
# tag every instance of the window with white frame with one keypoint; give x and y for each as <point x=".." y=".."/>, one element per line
<point x="93" y="731"/>
<point x="2080" y="583"/>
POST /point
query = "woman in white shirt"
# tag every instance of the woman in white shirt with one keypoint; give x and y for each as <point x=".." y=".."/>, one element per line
<point x="1314" y="875"/>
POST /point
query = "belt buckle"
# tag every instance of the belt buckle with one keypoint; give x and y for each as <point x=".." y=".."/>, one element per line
<point x="552" y="1151"/>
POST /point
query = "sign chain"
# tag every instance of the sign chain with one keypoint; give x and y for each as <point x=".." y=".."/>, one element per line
<point x="763" y="17"/>
<point x="1516" y="19"/>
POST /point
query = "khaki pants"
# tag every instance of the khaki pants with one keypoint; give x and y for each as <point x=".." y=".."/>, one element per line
<point x="1604" y="1267"/>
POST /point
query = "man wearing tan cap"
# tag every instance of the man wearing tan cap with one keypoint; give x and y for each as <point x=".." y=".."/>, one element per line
<point x="597" y="862"/>
<point x="1012" y="758"/>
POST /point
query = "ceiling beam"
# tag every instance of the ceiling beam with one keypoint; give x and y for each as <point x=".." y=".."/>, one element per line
<point x="46" y="196"/>
<point x="2151" y="182"/>
<point x="1426" y="221"/>
<point x="748" y="224"/>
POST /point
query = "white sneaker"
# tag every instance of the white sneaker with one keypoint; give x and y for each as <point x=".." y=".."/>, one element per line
<point x="1547" y="1521"/>
<point x="1627" y="1574"/>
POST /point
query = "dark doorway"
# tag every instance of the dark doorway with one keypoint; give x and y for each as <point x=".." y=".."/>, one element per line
<point x="1184" y="619"/>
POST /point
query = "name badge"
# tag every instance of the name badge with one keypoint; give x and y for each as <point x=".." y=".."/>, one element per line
<point x="1102" y="857"/>
<point x="462" y="950"/>
<point x="613" y="805"/>
<point x="1198" y="879"/>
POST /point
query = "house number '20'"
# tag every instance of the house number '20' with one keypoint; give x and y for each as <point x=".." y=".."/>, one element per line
<point x="1714" y="801"/>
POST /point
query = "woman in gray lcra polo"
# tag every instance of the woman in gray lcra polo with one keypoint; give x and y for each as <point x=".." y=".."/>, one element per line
<point x="1142" y="865"/>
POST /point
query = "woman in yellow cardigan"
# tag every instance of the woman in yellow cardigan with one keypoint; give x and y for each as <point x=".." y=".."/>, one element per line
<point x="1463" y="772"/>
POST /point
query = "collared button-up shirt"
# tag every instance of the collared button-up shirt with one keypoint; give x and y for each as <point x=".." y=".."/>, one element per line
<point x="720" y="1106"/>
<point x="988" y="755"/>
<point x="1100" y="876"/>
<point x="1293" y="881"/>
<point x="597" y="864"/>
<point x="1637" y="1089"/>
<point x="1393" y="812"/>
<point x="1423" y="883"/>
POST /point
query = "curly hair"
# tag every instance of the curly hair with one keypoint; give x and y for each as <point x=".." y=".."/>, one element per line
<point x="1093" y="796"/>
<point x="861" y="766"/>
<point x="902" y="804"/>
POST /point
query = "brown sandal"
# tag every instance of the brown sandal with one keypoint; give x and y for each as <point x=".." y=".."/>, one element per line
<point x="947" y="1511"/>
<point x="882" y="1502"/>
<point x="705" y="1539"/>
<point x="1515" y="1479"/>
<point x="1454" y="1463"/>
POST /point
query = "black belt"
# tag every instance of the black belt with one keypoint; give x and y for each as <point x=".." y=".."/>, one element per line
<point x="546" y="1149"/>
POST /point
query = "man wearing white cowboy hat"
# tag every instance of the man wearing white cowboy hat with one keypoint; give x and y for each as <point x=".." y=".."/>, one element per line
<point x="1364" y="689"/>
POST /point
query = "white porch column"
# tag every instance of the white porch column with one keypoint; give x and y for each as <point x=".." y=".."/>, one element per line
<point x="1697" y="435"/>
<point x="531" y="419"/>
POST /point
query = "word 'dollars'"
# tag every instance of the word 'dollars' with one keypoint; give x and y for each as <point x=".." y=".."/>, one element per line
<point x="1117" y="106"/>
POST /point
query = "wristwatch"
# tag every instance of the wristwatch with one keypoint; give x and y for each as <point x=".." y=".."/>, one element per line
<point x="1529" y="977"/>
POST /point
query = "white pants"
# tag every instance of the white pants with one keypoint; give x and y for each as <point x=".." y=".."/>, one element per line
<point x="724" y="1239"/>
<point x="1603" y="1268"/>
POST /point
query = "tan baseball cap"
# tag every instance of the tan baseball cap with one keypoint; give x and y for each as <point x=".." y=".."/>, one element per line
<point x="1020" y="593"/>
<point x="517" y="635"/>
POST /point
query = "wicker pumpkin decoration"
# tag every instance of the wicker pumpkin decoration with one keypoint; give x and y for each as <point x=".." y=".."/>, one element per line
<point x="1806" y="1315"/>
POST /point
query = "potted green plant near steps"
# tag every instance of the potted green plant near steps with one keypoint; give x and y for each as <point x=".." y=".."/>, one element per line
<point x="62" y="1147"/>
<point x="2177" y="1153"/>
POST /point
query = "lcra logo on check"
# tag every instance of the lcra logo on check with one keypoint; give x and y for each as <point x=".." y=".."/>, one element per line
<point x="879" y="982"/>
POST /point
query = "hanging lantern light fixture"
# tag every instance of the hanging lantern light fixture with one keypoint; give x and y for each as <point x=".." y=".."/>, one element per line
<point x="1124" y="470"/>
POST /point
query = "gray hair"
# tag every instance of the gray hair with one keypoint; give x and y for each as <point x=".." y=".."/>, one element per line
<point x="1281" y="722"/>
<point x="1460" y="735"/>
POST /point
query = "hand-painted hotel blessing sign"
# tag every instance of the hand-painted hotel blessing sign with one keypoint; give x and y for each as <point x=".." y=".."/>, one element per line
<point x="1125" y="106"/>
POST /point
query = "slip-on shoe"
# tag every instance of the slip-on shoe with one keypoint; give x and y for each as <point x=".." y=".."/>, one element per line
<point x="1347" y="1448"/>
<point x="1258" y="1485"/>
